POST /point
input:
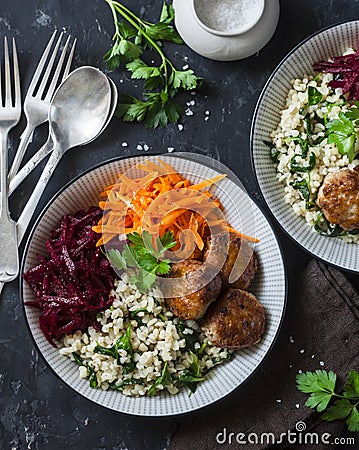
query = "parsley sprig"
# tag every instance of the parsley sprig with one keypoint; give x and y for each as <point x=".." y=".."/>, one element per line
<point x="342" y="133"/>
<point x="321" y="387"/>
<point x="145" y="256"/>
<point x="161" y="83"/>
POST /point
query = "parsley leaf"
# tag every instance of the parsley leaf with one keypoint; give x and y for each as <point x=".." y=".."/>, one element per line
<point x="140" y="70"/>
<point x="343" y="409"/>
<point x="155" y="111"/>
<point x="137" y="240"/>
<point x="162" y="114"/>
<point x="339" y="410"/>
<point x="163" y="267"/>
<point x="318" y="381"/>
<point x="321" y="387"/>
<point x="353" y="420"/>
<point x="351" y="388"/>
<point x="341" y="132"/>
<point x="112" y="59"/>
<point x="131" y="109"/>
<point x="126" y="31"/>
<point x="130" y="256"/>
<point x="161" y="82"/>
<point x="143" y="280"/>
<point x="167" y="240"/>
<point x="148" y="262"/>
<point x="140" y="254"/>
<point x="162" y="31"/>
<point x="116" y="259"/>
<point x="185" y="79"/>
<point x="353" y="113"/>
<point x="167" y="13"/>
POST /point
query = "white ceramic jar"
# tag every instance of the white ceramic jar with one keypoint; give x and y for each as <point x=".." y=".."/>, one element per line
<point x="210" y="28"/>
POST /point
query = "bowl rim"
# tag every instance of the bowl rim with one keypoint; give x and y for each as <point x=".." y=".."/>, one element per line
<point x="166" y="415"/>
<point x="251" y="141"/>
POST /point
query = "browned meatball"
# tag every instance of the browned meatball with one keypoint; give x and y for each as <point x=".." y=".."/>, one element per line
<point x="190" y="298"/>
<point x="237" y="254"/>
<point x="338" y="198"/>
<point x="235" y="320"/>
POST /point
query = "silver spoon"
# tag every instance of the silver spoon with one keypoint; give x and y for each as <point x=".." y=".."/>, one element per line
<point x="77" y="116"/>
<point x="46" y="149"/>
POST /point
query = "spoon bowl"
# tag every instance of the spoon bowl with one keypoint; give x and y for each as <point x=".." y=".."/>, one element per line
<point x="77" y="113"/>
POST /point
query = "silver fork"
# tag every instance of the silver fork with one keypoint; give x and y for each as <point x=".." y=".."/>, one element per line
<point x="37" y="102"/>
<point x="10" y="111"/>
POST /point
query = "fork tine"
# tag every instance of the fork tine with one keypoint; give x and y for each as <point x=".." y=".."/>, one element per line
<point x="49" y="67"/>
<point x="55" y="78"/>
<point x="16" y="76"/>
<point x="69" y="60"/>
<point x="41" y="65"/>
<point x="8" y="99"/>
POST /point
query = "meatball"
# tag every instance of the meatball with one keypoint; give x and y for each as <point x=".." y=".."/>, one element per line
<point x="235" y="320"/>
<point x="191" y="295"/>
<point x="231" y="252"/>
<point x="338" y="198"/>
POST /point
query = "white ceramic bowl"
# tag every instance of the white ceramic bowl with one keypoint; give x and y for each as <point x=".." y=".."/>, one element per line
<point x="269" y="286"/>
<point x="226" y="46"/>
<point x="329" y="42"/>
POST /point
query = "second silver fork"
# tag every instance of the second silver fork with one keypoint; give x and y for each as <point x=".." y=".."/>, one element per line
<point x="40" y="92"/>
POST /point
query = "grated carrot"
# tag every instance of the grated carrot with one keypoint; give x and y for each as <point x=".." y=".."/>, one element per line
<point x="162" y="199"/>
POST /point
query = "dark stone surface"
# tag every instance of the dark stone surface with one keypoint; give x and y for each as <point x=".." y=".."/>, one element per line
<point x="37" y="410"/>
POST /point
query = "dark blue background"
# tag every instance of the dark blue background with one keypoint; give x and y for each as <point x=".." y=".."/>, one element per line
<point x="37" y="410"/>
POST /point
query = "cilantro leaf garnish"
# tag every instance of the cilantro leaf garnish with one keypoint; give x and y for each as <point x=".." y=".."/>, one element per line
<point x="321" y="387"/>
<point x="161" y="82"/>
<point x="145" y="256"/>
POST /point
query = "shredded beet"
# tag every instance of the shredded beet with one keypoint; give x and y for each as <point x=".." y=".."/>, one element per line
<point x="346" y="73"/>
<point x="74" y="284"/>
